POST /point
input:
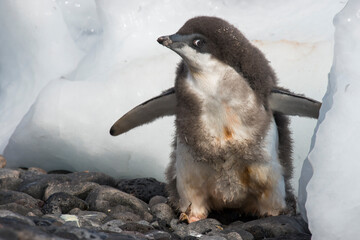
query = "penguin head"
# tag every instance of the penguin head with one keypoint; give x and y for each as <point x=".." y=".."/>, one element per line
<point x="201" y="40"/>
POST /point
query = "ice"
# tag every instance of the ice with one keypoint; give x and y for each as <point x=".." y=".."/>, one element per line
<point x="332" y="169"/>
<point x="69" y="69"/>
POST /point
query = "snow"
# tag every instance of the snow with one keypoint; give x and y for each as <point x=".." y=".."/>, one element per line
<point x="70" y="69"/>
<point x="331" y="173"/>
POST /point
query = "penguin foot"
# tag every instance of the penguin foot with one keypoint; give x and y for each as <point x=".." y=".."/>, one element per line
<point x="188" y="217"/>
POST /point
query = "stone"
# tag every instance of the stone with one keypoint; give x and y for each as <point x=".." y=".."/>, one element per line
<point x="62" y="203"/>
<point x="157" y="199"/>
<point x="163" y="212"/>
<point x="2" y="161"/>
<point x="237" y="228"/>
<point x="277" y="226"/>
<point x="298" y="236"/>
<point x="115" y="203"/>
<point x="143" y="188"/>
<point x="205" y="226"/>
<point x="113" y="226"/>
<point x="9" y="173"/>
<point x="136" y="227"/>
<point x="160" y="235"/>
<point x="37" y="170"/>
<point x="21" y="209"/>
<point x="70" y="220"/>
<point x="9" y="196"/>
<point x="78" y="189"/>
<point x="89" y="218"/>
<point x="96" y="177"/>
<point x="18" y="217"/>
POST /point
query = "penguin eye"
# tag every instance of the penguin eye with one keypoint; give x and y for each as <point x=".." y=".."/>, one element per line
<point x="198" y="43"/>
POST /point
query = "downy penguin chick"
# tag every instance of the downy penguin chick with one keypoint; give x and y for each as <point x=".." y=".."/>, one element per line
<point x="230" y="149"/>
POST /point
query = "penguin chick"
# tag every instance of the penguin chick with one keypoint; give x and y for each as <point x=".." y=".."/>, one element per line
<point x="230" y="149"/>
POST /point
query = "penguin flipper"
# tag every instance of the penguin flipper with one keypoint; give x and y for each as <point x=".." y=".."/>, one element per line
<point x="156" y="107"/>
<point x="292" y="104"/>
<point x="281" y="100"/>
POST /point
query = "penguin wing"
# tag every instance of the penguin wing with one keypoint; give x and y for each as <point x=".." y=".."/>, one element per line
<point x="292" y="104"/>
<point x="156" y="107"/>
<point x="281" y="100"/>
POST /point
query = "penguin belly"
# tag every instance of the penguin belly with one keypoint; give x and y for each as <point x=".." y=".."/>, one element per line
<point x="252" y="188"/>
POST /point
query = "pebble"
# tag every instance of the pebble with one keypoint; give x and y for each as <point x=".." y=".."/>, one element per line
<point x="2" y="161"/>
<point x="35" y="204"/>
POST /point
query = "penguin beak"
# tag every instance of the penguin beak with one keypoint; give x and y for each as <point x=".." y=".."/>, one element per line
<point x="172" y="41"/>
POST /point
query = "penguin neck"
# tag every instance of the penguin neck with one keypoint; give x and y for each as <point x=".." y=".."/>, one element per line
<point x="206" y="80"/>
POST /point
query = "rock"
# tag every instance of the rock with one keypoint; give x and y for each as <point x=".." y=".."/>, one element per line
<point x="217" y="237"/>
<point x="96" y="177"/>
<point x="18" y="217"/>
<point x="205" y="226"/>
<point x="9" y="179"/>
<point x="63" y="203"/>
<point x="136" y="227"/>
<point x="160" y="235"/>
<point x="116" y="203"/>
<point x="113" y="226"/>
<point x="37" y="170"/>
<point x="235" y="236"/>
<point x="157" y="199"/>
<point x="143" y="188"/>
<point x="89" y="218"/>
<point x="21" y="209"/>
<point x="70" y="220"/>
<point x="237" y="227"/>
<point x="163" y="212"/>
<point x="2" y="161"/>
<point x="273" y="227"/>
<point x="13" y="229"/>
<point x="23" y="199"/>
<point x="78" y="189"/>
<point x="298" y="236"/>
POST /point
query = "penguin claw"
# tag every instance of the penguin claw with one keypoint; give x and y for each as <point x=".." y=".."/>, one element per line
<point x="184" y="218"/>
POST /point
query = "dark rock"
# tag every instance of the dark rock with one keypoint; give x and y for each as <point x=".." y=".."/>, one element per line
<point x="18" y="217"/>
<point x="160" y="235"/>
<point x="157" y="199"/>
<point x="63" y="203"/>
<point x="205" y="226"/>
<point x="59" y="172"/>
<point x="21" y="209"/>
<point x="9" y="196"/>
<point x="2" y="161"/>
<point x="9" y="179"/>
<point x="163" y="212"/>
<point x="113" y="226"/>
<point x="298" y="236"/>
<point x="143" y="188"/>
<point x="136" y="227"/>
<point x="273" y="227"/>
<point x="215" y="237"/>
<point x="71" y="232"/>
<point x="14" y="229"/>
<point x="235" y="236"/>
<point x="116" y="203"/>
<point x="96" y="177"/>
<point x="9" y="173"/>
<point x="237" y="227"/>
<point x="78" y="189"/>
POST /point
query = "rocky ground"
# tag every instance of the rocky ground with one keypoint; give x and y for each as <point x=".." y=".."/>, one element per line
<point x="35" y="204"/>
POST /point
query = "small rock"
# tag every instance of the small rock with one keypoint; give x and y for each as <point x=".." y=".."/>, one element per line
<point x="160" y="235"/>
<point x="9" y="179"/>
<point x="216" y="237"/>
<point x="113" y="226"/>
<point x="278" y="226"/>
<point x="9" y="196"/>
<point x="136" y="227"/>
<point x="157" y="199"/>
<point x="71" y="220"/>
<point x="234" y="236"/>
<point x="205" y="226"/>
<point x="298" y="236"/>
<point x="143" y="188"/>
<point x="163" y="212"/>
<point x="18" y="217"/>
<point x="89" y="218"/>
<point x="78" y="189"/>
<point x="63" y="203"/>
<point x="2" y="161"/>
<point x="71" y="232"/>
<point x="37" y="170"/>
<point x="116" y="203"/>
